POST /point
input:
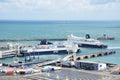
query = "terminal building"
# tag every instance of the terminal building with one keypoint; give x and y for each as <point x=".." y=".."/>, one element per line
<point x="89" y="65"/>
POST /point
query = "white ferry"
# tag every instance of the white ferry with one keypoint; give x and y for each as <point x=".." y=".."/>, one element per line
<point x="49" y="48"/>
<point x="86" y="41"/>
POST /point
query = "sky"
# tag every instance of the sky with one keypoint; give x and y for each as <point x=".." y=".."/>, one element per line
<point x="60" y="10"/>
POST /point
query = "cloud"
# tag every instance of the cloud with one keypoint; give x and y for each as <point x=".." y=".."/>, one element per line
<point x="56" y="4"/>
<point x="101" y="1"/>
<point x="58" y="8"/>
<point x="25" y="4"/>
<point x="93" y="4"/>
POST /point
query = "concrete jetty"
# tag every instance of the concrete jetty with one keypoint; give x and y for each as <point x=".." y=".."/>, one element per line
<point x="37" y="39"/>
<point x="95" y="55"/>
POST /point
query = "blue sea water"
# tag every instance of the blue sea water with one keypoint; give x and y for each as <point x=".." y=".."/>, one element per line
<point x="60" y="29"/>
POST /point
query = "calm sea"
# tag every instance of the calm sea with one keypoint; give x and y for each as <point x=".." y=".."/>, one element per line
<point x="61" y="29"/>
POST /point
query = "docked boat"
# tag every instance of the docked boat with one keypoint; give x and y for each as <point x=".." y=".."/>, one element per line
<point x="7" y="53"/>
<point x="49" y="48"/>
<point x="105" y="37"/>
<point x="86" y="41"/>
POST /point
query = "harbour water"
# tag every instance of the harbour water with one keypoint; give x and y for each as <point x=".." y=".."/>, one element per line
<point x="61" y="29"/>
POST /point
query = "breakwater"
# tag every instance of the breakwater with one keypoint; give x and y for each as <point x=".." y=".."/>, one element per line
<point x="18" y="40"/>
<point x="87" y="56"/>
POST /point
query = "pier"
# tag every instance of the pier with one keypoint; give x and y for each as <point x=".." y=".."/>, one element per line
<point x="39" y="39"/>
<point x="95" y="55"/>
<point x="77" y="58"/>
<point x="74" y="57"/>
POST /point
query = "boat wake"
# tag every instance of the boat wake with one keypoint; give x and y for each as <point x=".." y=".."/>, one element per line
<point x="118" y="47"/>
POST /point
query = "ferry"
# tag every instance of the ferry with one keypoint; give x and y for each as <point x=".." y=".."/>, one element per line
<point x="7" y="53"/>
<point x="86" y="41"/>
<point x="49" y="48"/>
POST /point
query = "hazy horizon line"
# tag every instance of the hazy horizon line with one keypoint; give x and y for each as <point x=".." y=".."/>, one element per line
<point x="62" y="20"/>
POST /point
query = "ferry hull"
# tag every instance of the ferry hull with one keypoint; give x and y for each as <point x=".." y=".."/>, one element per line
<point x="45" y="53"/>
<point x="92" y="46"/>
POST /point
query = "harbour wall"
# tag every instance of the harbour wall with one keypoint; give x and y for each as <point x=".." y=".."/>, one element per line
<point x="93" y="55"/>
<point x="18" y="40"/>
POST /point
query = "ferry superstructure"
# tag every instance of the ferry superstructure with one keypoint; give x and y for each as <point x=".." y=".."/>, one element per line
<point x="86" y="41"/>
<point x="48" y="48"/>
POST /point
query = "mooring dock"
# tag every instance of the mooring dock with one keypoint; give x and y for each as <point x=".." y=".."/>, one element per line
<point x="95" y="55"/>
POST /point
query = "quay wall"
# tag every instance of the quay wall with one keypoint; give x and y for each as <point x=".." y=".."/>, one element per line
<point x="49" y="39"/>
<point x="95" y="55"/>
